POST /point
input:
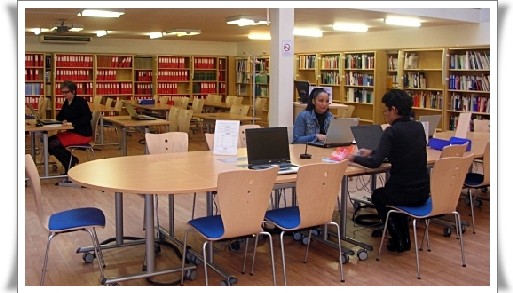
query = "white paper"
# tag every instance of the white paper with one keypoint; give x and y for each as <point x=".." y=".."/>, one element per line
<point x="463" y="124"/>
<point x="226" y="136"/>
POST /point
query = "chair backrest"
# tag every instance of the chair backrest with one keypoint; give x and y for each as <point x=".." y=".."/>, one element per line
<point x="346" y="112"/>
<point x="486" y="165"/>
<point x="197" y="105"/>
<point x="118" y="105"/>
<point x="41" y="107"/>
<point x="317" y="189"/>
<point x="453" y="150"/>
<point x="233" y="100"/>
<point x="241" y="142"/>
<point x="108" y="102"/>
<point x="94" y="124"/>
<point x="97" y="100"/>
<point x="209" y="137"/>
<point x="481" y="125"/>
<point x="446" y="180"/>
<point x="260" y="104"/>
<point x="243" y="199"/>
<point x="181" y="102"/>
<point x="184" y="120"/>
<point x="209" y="99"/>
<point x="163" y="99"/>
<point x="167" y="142"/>
<point x="173" y="118"/>
<point x="218" y="99"/>
<point x="35" y="182"/>
<point x="239" y="109"/>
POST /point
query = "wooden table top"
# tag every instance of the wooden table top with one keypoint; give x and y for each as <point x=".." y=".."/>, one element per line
<point x="102" y="108"/>
<point x="30" y="126"/>
<point x="224" y="116"/>
<point x="126" y="121"/>
<point x="151" y="107"/>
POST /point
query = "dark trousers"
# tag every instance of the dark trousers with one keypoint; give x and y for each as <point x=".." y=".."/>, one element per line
<point x="56" y="149"/>
<point x="383" y="197"/>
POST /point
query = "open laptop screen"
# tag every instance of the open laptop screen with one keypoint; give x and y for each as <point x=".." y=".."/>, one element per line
<point x="267" y="145"/>
<point x="367" y="136"/>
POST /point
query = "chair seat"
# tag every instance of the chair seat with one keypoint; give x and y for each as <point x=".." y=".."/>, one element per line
<point x="285" y="218"/>
<point x="474" y="179"/>
<point x="76" y="218"/>
<point x="210" y="227"/>
<point x="418" y="211"/>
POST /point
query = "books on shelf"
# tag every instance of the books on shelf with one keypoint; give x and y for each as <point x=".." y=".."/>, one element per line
<point x="411" y="61"/>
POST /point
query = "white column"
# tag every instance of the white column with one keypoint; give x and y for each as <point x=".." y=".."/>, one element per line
<point x="281" y="67"/>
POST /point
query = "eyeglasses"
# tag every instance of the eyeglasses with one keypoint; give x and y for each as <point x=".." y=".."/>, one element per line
<point x="65" y="92"/>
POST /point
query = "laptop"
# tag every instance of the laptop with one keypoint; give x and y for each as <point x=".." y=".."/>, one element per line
<point x="39" y="120"/>
<point x="267" y="147"/>
<point x="367" y="136"/>
<point x="133" y="114"/>
<point x="433" y="121"/>
<point x="339" y="133"/>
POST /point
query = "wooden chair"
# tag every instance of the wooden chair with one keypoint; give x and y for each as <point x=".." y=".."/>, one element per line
<point x="184" y="120"/>
<point x="447" y="177"/>
<point x="243" y="206"/>
<point x="233" y="100"/>
<point x="241" y="142"/>
<point x="239" y="109"/>
<point x="65" y="221"/>
<point x="345" y="112"/>
<point x="481" y="125"/>
<point x="173" y="118"/>
<point x="209" y="137"/>
<point x="453" y="150"/>
<point x="260" y="105"/>
<point x="97" y="100"/>
<point x="317" y="189"/>
<point x="197" y="107"/>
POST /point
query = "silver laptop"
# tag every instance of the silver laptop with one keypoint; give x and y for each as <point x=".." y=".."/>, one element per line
<point x="339" y="133"/>
<point x="433" y="121"/>
<point x="38" y="119"/>
<point x="133" y="114"/>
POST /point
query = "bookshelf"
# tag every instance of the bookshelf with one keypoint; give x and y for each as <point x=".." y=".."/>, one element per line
<point x="76" y="67"/>
<point x="143" y="77"/>
<point x="306" y="69"/>
<point x="114" y="76"/>
<point x="394" y="70"/>
<point x="330" y="72"/>
<point x="468" y="86"/>
<point x="173" y="75"/>
<point x="262" y="77"/>
<point x="204" y="76"/>
<point x="222" y="75"/>
<point x="423" y="79"/>
<point x="35" y="73"/>
<point x="363" y="84"/>
<point x="243" y="78"/>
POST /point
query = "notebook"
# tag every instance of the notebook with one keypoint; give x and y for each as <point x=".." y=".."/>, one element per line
<point x="133" y="114"/>
<point x="367" y="136"/>
<point x="339" y="133"/>
<point x="39" y="120"/>
<point x="267" y="147"/>
<point x="433" y="121"/>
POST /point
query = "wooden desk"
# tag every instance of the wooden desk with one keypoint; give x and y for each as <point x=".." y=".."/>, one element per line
<point x="30" y="126"/>
<point x="298" y="107"/>
<point x="210" y="118"/>
<point x="479" y="140"/>
<point x="124" y="122"/>
<point x="157" y="107"/>
<point x="212" y="107"/>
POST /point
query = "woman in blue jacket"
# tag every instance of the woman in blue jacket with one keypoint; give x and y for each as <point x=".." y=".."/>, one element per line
<point x="312" y="123"/>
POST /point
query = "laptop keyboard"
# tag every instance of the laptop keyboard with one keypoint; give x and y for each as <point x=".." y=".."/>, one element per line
<point x="282" y="166"/>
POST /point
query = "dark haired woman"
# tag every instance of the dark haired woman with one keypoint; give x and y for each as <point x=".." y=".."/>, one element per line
<point x="312" y="123"/>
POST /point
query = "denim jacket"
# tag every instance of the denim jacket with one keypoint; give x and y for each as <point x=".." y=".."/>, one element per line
<point x="306" y="126"/>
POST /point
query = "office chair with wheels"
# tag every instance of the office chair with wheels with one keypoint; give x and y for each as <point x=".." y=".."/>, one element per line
<point x="243" y="198"/>
<point x="77" y="219"/>
<point x="317" y="189"/>
<point x="446" y="180"/>
<point x="475" y="180"/>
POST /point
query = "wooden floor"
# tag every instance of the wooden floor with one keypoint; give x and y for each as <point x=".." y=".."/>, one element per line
<point x="440" y="267"/>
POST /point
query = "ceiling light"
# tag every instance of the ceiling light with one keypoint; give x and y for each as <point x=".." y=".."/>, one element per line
<point x="246" y="20"/>
<point x="101" y="13"/>
<point x="308" y="32"/>
<point x="101" y="33"/>
<point x="156" y="35"/>
<point x="266" y="36"/>
<point x="350" y="27"/>
<point x="37" y="31"/>
<point x="63" y="28"/>
<point x="183" y="32"/>
<point x="403" y="20"/>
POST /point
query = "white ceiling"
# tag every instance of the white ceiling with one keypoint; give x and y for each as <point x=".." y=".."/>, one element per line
<point x="138" y="22"/>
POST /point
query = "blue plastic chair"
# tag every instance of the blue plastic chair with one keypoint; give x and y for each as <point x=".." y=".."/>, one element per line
<point x="78" y="219"/>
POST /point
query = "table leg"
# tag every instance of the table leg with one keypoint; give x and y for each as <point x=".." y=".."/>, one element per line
<point x="123" y="141"/>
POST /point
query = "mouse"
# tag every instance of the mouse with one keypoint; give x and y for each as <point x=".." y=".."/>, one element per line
<point x="39" y="124"/>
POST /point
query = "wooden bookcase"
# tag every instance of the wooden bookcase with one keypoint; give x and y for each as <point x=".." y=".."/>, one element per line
<point x="204" y="76"/>
<point x="364" y="83"/>
<point x="306" y="69"/>
<point x="330" y="72"/>
<point x="394" y="70"/>
<point x="173" y="75"/>
<point x="468" y="86"/>
<point x="243" y="78"/>
<point x="79" y="68"/>
<point x="143" y="77"/>
<point x="423" y="79"/>
<point x="261" y="77"/>
<point x="222" y="75"/>
<point x="114" y="76"/>
<point x="35" y="78"/>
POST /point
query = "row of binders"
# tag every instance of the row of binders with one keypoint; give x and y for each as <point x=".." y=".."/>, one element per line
<point x="114" y="61"/>
<point x="74" y="60"/>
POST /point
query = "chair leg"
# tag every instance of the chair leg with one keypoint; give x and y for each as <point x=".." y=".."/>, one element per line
<point x="45" y="262"/>
<point x="460" y="234"/>
<point x="205" y="262"/>
<point x="283" y="258"/>
<point x="340" y="261"/>
<point x="184" y="253"/>
<point x="245" y="257"/>
<point x="416" y="247"/>
<point x="471" y="208"/>
<point x="384" y="234"/>
<point x="193" y="206"/>
<point x="271" y="251"/>
<point x="308" y="245"/>
<point x="97" y="251"/>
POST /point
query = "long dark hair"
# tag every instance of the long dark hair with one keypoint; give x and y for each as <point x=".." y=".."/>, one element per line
<point x="313" y="95"/>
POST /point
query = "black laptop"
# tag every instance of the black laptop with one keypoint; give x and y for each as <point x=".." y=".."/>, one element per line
<point x="367" y="136"/>
<point x="267" y="147"/>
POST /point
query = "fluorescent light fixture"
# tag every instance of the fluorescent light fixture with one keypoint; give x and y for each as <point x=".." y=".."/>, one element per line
<point x="37" y="31"/>
<point x="156" y="35"/>
<point x="76" y="28"/>
<point x="263" y="36"/>
<point x="62" y="28"/>
<point x="308" y="32"/>
<point x="403" y="20"/>
<point x="101" y="13"/>
<point x="179" y="32"/>
<point x="101" y="33"/>
<point x="350" y="27"/>
<point x="246" y="20"/>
